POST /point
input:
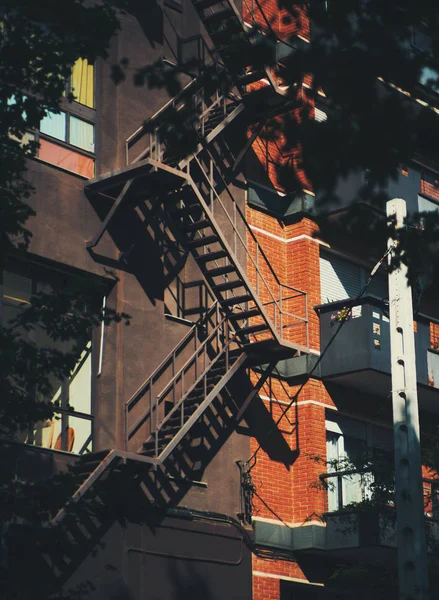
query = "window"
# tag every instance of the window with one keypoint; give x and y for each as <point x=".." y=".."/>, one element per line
<point x="81" y="83"/>
<point x="71" y="428"/>
<point x="73" y="132"/>
<point x="67" y="139"/>
<point x="349" y="443"/>
<point x="341" y="279"/>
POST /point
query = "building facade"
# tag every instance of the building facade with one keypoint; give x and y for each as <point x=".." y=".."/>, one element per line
<point x="208" y="427"/>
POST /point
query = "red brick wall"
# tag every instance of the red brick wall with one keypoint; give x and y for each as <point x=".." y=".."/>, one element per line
<point x="296" y="263"/>
<point x="430" y="189"/>
<point x="434" y="335"/>
<point x="284" y="23"/>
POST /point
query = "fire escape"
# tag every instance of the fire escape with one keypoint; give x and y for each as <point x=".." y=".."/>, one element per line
<point x="254" y="319"/>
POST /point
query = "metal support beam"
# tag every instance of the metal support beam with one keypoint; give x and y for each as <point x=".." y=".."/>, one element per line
<point x="255" y="391"/>
<point x="95" y="241"/>
<point x="256" y="131"/>
<point x="410" y="520"/>
<point x="202" y="407"/>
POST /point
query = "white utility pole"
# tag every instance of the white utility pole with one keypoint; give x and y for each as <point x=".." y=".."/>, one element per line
<point x="410" y="521"/>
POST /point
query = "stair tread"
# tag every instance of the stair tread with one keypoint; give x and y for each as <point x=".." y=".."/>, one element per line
<point x="253" y="329"/>
<point x="204" y="241"/>
<point x="202" y="4"/>
<point x="236" y="300"/>
<point x="219" y="15"/>
<point x="228" y="285"/>
<point x="220" y="270"/>
<point x="186" y="210"/>
<point x="197" y="225"/>
<point x="251" y="77"/>
<point x="245" y="314"/>
<point x="211" y="256"/>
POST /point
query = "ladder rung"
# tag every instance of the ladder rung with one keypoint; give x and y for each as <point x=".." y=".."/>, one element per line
<point x="236" y="300"/>
<point x="203" y="241"/>
<point x="228" y="285"/>
<point x="220" y="270"/>
<point x="209" y="256"/>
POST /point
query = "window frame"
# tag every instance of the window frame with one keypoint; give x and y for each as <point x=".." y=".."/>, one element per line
<point x="45" y="276"/>
<point x="79" y="111"/>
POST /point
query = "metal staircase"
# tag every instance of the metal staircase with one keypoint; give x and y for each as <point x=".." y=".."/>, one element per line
<point x="256" y="318"/>
<point x="187" y="403"/>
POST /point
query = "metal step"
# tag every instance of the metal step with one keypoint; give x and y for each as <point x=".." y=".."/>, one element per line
<point x="220" y="271"/>
<point x="203" y="4"/>
<point x="228" y="285"/>
<point x="236" y="300"/>
<point x="203" y="224"/>
<point x="185" y="211"/>
<point x="218" y="17"/>
<point x="203" y="241"/>
<point x="251" y="77"/>
<point x="222" y="36"/>
<point x="245" y="314"/>
<point x="211" y="256"/>
<point x="253" y="329"/>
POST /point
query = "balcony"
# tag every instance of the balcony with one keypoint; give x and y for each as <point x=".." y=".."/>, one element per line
<point x="359" y="357"/>
<point x="359" y="525"/>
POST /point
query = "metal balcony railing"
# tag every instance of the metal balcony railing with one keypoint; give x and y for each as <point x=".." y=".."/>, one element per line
<point x="352" y="486"/>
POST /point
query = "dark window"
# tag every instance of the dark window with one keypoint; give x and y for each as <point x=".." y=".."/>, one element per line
<point x="71" y="428"/>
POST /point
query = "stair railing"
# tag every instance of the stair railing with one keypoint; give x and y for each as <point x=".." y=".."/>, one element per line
<point x="281" y="301"/>
<point x="202" y="108"/>
<point x="219" y="341"/>
<point x="165" y="370"/>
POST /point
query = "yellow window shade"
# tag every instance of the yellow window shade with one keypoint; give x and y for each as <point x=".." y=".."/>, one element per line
<point x="82" y="83"/>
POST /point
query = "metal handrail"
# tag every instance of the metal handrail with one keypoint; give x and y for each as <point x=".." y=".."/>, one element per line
<point x="163" y="109"/>
<point x="154" y="133"/>
<point x="252" y="12"/>
<point x="191" y="359"/>
<point x="259" y="249"/>
<point x="200" y="378"/>
<point x="168" y="362"/>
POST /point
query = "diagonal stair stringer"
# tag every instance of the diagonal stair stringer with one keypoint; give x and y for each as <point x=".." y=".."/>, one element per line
<point x="202" y="407"/>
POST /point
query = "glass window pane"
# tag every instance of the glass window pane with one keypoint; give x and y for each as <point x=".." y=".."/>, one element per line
<point x="67" y="159"/>
<point x="16" y="287"/>
<point x="54" y="125"/>
<point x="8" y="313"/>
<point x="80" y="383"/>
<point x="82" y="134"/>
<point x="80" y="431"/>
<point x="82" y="82"/>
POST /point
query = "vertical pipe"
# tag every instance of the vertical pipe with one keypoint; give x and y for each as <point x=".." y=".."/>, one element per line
<point x="257" y="269"/>
<point x="101" y="343"/>
<point x="280" y="310"/>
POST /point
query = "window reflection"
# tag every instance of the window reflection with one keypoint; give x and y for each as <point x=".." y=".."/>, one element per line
<point x="71" y="427"/>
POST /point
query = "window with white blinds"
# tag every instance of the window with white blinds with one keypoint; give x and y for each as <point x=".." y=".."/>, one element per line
<point x="341" y="279"/>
